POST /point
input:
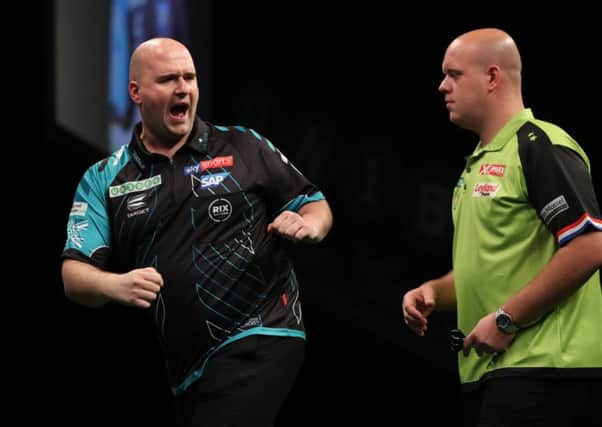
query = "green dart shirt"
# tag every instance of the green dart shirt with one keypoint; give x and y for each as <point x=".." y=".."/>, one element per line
<point x="517" y="201"/>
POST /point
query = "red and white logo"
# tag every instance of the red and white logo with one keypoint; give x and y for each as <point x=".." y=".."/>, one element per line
<point x="492" y="170"/>
<point x="486" y="189"/>
<point x="218" y="162"/>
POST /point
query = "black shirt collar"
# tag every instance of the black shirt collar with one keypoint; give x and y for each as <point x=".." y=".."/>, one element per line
<point x="197" y="141"/>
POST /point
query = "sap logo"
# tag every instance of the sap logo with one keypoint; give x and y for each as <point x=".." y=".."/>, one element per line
<point x="213" y="180"/>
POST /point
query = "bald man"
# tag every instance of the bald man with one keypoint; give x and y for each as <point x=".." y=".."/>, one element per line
<point x="189" y="222"/>
<point x="157" y="66"/>
<point x="527" y="247"/>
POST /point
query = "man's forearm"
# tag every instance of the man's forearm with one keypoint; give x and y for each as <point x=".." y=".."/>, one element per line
<point x="445" y="292"/>
<point x="567" y="271"/>
<point x="85" y="284"/>
<point x="319" y="215"/>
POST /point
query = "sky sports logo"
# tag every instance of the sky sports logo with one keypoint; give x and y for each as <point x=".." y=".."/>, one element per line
<point x="216" y="163"/>
<point x="134" y="186"/>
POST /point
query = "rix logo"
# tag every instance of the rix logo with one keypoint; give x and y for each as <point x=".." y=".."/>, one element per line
<point x="220" y="210"/>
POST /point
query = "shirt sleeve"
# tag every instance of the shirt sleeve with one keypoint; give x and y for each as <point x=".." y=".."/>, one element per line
<point x="285" y="187"/>
<point x="559" y="186"/>
<point x="88" y="232"/>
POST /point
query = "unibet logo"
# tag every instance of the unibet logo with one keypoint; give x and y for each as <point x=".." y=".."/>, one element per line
<point x="134" y="186"/>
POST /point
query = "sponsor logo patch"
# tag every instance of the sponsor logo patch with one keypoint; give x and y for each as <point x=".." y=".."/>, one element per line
<point x="552" y="209"/>
<point x="74" y="230"/>
<point x="189" y="170"/>
<point x="486" y="189"/>
<point x="251" y="323"/>
<point x="216" y="163"/>
<point x="134" y="186"/>
<point x="136" y="202"/>
<point x="220" y="210"/>
<point x="213" y="180"/>
<point x="79" y="209"/>
<point x="136" y="205"/>
<point x="492" y="170"/>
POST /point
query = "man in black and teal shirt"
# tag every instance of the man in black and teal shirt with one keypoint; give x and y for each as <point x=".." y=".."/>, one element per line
<point x="526" y="250"/>
<point x="189" y="222"/>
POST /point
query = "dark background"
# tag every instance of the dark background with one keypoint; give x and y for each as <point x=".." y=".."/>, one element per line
<point x="349" y="94"/>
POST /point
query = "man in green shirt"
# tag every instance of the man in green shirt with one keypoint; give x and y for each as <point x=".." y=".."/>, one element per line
<point x="527" y="247"/>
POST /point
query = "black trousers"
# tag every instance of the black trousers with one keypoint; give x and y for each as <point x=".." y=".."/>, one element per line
<point x="243" y="384"/>
<point x="533" y="402"/>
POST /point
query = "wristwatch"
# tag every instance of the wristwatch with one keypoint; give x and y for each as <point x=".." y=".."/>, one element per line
<point x="504" y="322"/>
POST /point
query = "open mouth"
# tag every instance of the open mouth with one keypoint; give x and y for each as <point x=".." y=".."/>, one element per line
<point x="178" y="111"/>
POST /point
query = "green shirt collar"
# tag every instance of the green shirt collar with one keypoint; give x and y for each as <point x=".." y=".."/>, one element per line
<point x="507" y="132"/>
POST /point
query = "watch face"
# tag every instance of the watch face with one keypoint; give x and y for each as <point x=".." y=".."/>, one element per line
<point x="503" y="322"/>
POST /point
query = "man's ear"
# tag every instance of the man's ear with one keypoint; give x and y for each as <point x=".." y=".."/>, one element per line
<point x="134" y="90"/>
<point x="493" y="76"/>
